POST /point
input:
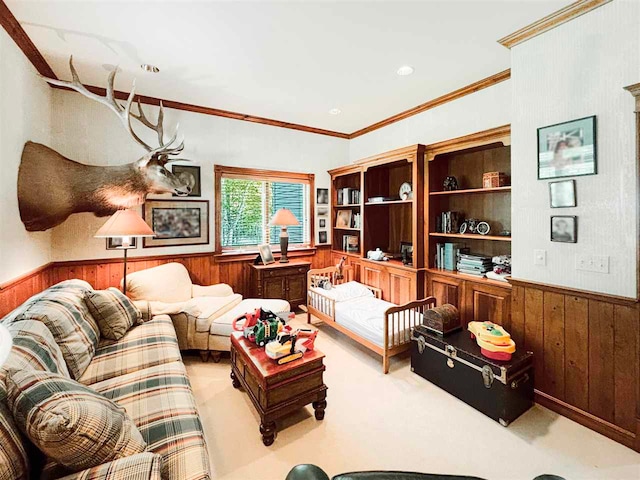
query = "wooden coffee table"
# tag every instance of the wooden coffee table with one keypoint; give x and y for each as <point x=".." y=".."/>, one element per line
<point x="277" y="390"/>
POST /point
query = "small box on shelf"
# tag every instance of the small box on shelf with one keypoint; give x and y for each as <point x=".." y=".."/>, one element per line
<point x="494" y="180"/>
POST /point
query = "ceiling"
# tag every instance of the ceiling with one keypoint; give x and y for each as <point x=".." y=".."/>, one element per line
<point x="291" y="61"/>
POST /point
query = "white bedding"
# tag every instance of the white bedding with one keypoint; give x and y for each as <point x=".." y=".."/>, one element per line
<point x="365" y="316"/>
<point x="345" y="291"/>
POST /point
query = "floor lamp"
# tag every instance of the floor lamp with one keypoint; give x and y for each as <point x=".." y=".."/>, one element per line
<point x="125" y="224"/>
<point x="284" y="218"/>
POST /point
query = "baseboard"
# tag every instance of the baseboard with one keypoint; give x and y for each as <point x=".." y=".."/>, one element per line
<point x="592" y="422"/>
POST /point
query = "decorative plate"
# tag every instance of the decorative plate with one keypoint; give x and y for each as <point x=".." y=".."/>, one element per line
<point x="406" y="192"/>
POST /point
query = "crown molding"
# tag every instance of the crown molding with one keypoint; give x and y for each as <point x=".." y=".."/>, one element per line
<point x="461" y="92"/>
<point x="20" y="37"/>
<point x="551" y="21"/>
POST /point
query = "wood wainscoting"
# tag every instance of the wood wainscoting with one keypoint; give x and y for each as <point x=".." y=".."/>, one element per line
<point x="587" y="355"/>
<point x="204" y="268"/>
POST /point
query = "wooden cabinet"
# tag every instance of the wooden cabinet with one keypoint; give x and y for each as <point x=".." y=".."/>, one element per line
<point x="477" y="300"/>
<point x="399" y="284"/>
<point x="287" y="281"/>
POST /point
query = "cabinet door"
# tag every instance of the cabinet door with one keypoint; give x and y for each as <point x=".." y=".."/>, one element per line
<point x="446" y="290"/>
<point x="296" y="289"/>
<point x="402" y="288"/>
<point x="373" y="276"/>
<point x="274" y="287"/>
<point x="486" y="302"/>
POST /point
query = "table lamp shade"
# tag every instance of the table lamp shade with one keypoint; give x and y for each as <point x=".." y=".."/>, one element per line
<point x="125" y="223"/>
<point x="5" y="344"/>
<point x="284" y="218"/>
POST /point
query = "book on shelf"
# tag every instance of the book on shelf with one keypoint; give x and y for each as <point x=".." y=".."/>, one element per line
<point x="447" y="255"/>
<point x="448" y="222"/>
<point x="348" y="196"/>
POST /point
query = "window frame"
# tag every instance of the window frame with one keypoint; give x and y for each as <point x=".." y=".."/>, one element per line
<point x="223" y="171"/>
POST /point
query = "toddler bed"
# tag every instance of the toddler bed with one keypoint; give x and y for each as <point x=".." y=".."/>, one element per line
<point x="359" y="312"/>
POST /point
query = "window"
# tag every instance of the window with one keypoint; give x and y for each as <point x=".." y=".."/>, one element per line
<point x="246" y="200"/>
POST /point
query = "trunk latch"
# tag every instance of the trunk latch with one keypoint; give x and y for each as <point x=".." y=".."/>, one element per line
<point x="487" y="376"/>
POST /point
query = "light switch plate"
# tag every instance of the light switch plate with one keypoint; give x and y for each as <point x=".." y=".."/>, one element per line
<point x="540" y="257"/>
<point x="592" y="263"/>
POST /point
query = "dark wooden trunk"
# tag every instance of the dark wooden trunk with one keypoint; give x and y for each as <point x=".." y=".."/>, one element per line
<point x="500" y="390"/>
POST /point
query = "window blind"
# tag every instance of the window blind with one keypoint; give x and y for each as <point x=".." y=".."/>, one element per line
<point x="248" y="205"/>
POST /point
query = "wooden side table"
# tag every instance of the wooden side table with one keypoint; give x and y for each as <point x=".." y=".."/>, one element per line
<point x="287" y="281"/>
<point x="277" y="390"/>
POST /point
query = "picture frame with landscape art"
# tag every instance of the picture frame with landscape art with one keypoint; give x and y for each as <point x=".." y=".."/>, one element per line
<point x="176" y="222"/>
<point x="189" y="174"/>
<point x="568" y="149"/>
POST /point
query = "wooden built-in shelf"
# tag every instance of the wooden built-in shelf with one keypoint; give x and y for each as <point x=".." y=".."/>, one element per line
<point x="347" y="206"/>
<point x="345" y="228"/>
<point x="343" y="252"/>
<point x="472" y="236"/>
<point x="474" y="190"/>
<point x="390" y="202"/>
<point x="470" y="278"/>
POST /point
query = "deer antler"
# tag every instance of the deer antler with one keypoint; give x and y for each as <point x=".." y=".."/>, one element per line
<point x="125" y="113"/>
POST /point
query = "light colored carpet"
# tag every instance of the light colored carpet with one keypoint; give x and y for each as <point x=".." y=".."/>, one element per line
<point x="395" y="421"/>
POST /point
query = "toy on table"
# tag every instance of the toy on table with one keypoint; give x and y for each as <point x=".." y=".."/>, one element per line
<point x="261" y="326"/>
<point x="289" y="346"/>
<point x="493" y="340"/>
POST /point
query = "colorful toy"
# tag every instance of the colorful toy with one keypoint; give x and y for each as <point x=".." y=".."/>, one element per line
<point x="261" y="326"/>
<point x="289" y="346"/>
<point x="493" y="340"/>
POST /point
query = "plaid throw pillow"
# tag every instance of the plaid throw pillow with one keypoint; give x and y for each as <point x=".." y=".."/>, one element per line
<point x="113" y="311"/>
<point x="72" y="424"/>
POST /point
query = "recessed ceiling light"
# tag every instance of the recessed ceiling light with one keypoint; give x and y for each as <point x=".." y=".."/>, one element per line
<point x="405" y="70"/>
<point x="149" y="68"/>
<point x="335" y="111"/>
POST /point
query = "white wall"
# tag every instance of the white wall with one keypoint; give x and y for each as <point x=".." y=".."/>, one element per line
<point x="576" y="70"/>
<point x="88" y="132"/>
<point x="25" y="102"/>
<point x="479" y="111"/>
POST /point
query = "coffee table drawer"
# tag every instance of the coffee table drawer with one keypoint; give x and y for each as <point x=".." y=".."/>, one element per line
<point x="290" y="390"/>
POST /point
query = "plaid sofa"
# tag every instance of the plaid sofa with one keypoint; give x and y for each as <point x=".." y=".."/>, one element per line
<point x="142" y="372"/>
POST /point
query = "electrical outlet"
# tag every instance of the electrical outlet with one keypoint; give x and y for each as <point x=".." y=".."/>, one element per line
<point x="593" y="263"/>
<point x="540" y="257"/>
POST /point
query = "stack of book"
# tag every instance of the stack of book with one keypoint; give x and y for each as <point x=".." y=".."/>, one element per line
<point x="348" y="196"/>
<point x="448" y="222"/>
<point x="447" y="254"/>
<point x="474" y="264"/>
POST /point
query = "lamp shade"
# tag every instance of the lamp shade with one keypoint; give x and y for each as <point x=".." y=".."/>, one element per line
<point x="284" y="218"/>
<point x="5" y="344"/>
<point x="125" y="223"/>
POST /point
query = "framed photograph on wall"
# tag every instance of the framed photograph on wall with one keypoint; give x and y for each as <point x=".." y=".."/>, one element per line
<point x="190" y="175"/>
<point x="322" y="196"/>
<point x="266" y="254"/>
<point x="177" y="222"/>
<point x="562" y="194"/>
<point x="322" y="236"/>
<point x="322" y="223"/>
<point x="564" y="228"/>
<point x="115" y="243"/>
<point x="567" y="149"/>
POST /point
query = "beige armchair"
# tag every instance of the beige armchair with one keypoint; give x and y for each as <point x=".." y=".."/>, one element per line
<point x="202" y="315"/>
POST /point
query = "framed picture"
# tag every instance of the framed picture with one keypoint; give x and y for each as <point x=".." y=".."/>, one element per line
<point x="564" y="228"/>
<point x="177" y="222"/>
<point x="190" y="175"/>
<point x="322" y="237"/>
<point x="406" y="247"/>
<point x="562" y="194"/>
<point x="323" y="211"/>
<point x="322" y="196"/>
<point x="266" y="254"/>
<point x="115" y="243"/>
<point x="343" y="219"/>
<point x="567" y="149"/>
<point x="322" y="223"/>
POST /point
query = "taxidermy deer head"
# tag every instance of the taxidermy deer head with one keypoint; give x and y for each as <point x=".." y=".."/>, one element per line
<point x="52" y="187"/>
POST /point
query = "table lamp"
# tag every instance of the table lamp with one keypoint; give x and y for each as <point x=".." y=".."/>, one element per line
<point x="284" y="218"/>
<point x="6" y="341"/>
<point x="125" y="224"/>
